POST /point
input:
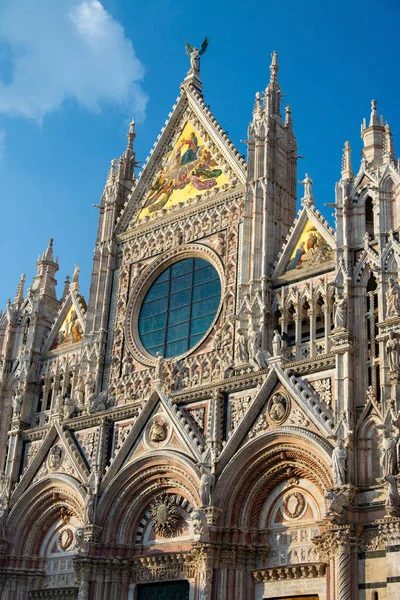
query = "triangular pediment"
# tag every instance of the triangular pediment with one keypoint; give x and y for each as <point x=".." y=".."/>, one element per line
<point x="309" y="247"/>
<point x="192" y="160"/>
<point x="159" y="427"/>
<point x="69" y="325"/>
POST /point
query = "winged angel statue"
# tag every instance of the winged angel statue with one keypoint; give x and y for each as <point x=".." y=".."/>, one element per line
<point x="195" y="54"/>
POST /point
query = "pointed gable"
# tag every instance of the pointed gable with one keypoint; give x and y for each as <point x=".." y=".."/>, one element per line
<point x="69" y="325"/>
<point x="192" y="159"/>
<point x="309" y="247"/>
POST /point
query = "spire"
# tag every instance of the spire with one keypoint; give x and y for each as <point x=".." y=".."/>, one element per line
<point x="127" y="162"/>
<point x="19" y="295"/>
<point x="374" y="119"/>
<point x="307" y="199"/>
<point x="288" y="117"/>
<point x="388" y="149"/>
<point x="347" y="171"/>
<point x="66" y="288"/>
<point x="373" y="138"/>
<point x="258" y="109"/>
<point x="75" y="279"/>
<point x="273" y="91"/>
<point x="48" y="254"/>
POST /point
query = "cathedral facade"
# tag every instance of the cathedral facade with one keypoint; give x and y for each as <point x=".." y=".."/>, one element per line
<point x="220" y="420"/>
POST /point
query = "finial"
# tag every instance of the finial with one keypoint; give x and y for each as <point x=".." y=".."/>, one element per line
<point x="19" y="295"/>
<point x="257" y="110"/>
<point x="374" y="119"/>
<point x="347" y="171"/>
<point x="388" y="147"/>
<point x="131" y="135"/>
<point x="288" y="117"/>
<point x="48" y="254"/>
<point x="274" y="67"/>
<point x="75" y="279"/>
<point x="307" y="199"/>
<point x="66" y="288"/>
<point x="111" y="171"/>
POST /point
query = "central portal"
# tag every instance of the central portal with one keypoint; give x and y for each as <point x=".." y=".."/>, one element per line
<point x="170" y="590"/>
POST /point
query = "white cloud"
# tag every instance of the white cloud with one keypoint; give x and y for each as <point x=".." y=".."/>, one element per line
<point x="66" y="49"/>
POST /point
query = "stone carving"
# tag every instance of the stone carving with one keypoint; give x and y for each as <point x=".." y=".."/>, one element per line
<point x="206" y="483"/>
<point x="323" y="387"/>
<point x="179" y="371"/>
<point x="159" y="368"/>
<point x="393" y="352"/>
<point x="256" y="353"/>
<point x="392" y="499"/>
<point x="239" y="408"/>
<point x="165" y="516"/>
<point x="340" y="312"/>
<point x="98" y="402"/>
<point x="198" y="416"/>
<point x="79" y="392"/>
<point x="55" y="457"/>
<point x="297" y="417"/>
<point x="260" y="426"/>
<point x="80" y="542"/>
<point x="194" y="54"/>
<point x="393" y="299"/>
<point x="65" y="539"/>
<point x="338" y="462"/>
<point x="294" y="504"/>
<point x="242" y="346"/>
<point x="389" y="451"/>
<point x="337" y="502"/>
<point x="70" y="409"/>
<point x="127" y="367"/>
<point x="278" y="408"/>
<point x="17" y="402"/>
<point x="199" y="520"/>
<point x="277" y="344"/>
<point x="158" y="430"/>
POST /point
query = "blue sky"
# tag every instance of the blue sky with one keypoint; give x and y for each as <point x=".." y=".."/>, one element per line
<point x="74" y="72"/>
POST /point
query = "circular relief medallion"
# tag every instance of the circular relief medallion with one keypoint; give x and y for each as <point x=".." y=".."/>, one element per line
<point x="65" y="539"/>
<point x="158" y="431"/>
<point x="165" y="516"/>
<point x="55" y="457"/>
<point x="294" y="504"/>
<point x="278" y="408"/>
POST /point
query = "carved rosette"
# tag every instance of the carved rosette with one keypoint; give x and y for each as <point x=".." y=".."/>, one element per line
<point x="165" y="516"/>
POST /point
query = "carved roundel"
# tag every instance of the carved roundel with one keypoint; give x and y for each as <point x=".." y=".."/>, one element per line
<point x="278" y="408"/>
<point x="55" y="457"/>
<point x="294" y="504"/>
<point x="141" y="343"/>
<point x="65" y="539"/>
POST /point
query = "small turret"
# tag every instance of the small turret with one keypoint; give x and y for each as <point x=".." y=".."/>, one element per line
<point x="127" y="162"/>
<point x="66" y="288"/>
<point x="19" y="295"/>
<point x="272" y="98"/>
<point x="373" y="138"/>
<point x="347" y="170"/>
<point x="75" y="279"/>
<point x="389" y="155"/>
<point x="45" y="281"/>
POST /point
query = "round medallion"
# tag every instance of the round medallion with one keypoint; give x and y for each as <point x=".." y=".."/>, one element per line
<point x="179" y="307"/>
<point x="294" y="504"/>
<point x="65" y="539"/>
<point x="55" y="457"/>
<point x="158" y="430"/>
<point x="164" y="513"/>
<point x="278" y="408"/>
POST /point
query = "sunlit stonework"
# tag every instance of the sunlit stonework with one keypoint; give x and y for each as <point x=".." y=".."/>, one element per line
<point x="221" y="420"/>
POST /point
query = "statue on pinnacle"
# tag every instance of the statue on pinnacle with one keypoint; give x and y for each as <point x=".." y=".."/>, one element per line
<point x="194" y="54"/>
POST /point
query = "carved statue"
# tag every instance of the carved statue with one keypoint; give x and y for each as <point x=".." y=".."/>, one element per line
<point x="307" y="182"/>
<point x="393" y="498"/>
<point x="79" y="392"/>
<point x="242" y="346"/>
<point x="338" y="462"/>
<point x="195" y="54"/>
<point x="98" y="402"/>
<point x="277" y="344"/>
<point x="340" y="312"/>
<point x="89" y="387"/>
<point x="256" y="353"/>
<point x="158" y="431"/>
<point x="70" y="408"/>
<point x="89" y="508"/>
<point x="17" y="402"/>
<point x="59" y="402"/>
<point x="199" y="520"/>
<point x="337" y="502"/>
<point x="55" y="457"/>
<point x="178" y="372"/>
<point x="159" y="370"/>
<point x="277" y="408"/>
<point x="389" y="452"/>
<point x="393" y="352"/>
<point x="206" y="481"/>
<point x="127" y="366"/>
<point x="393" y="299"/>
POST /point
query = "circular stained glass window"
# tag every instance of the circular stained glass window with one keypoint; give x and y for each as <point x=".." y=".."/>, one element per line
<point x="179" y="307"/>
